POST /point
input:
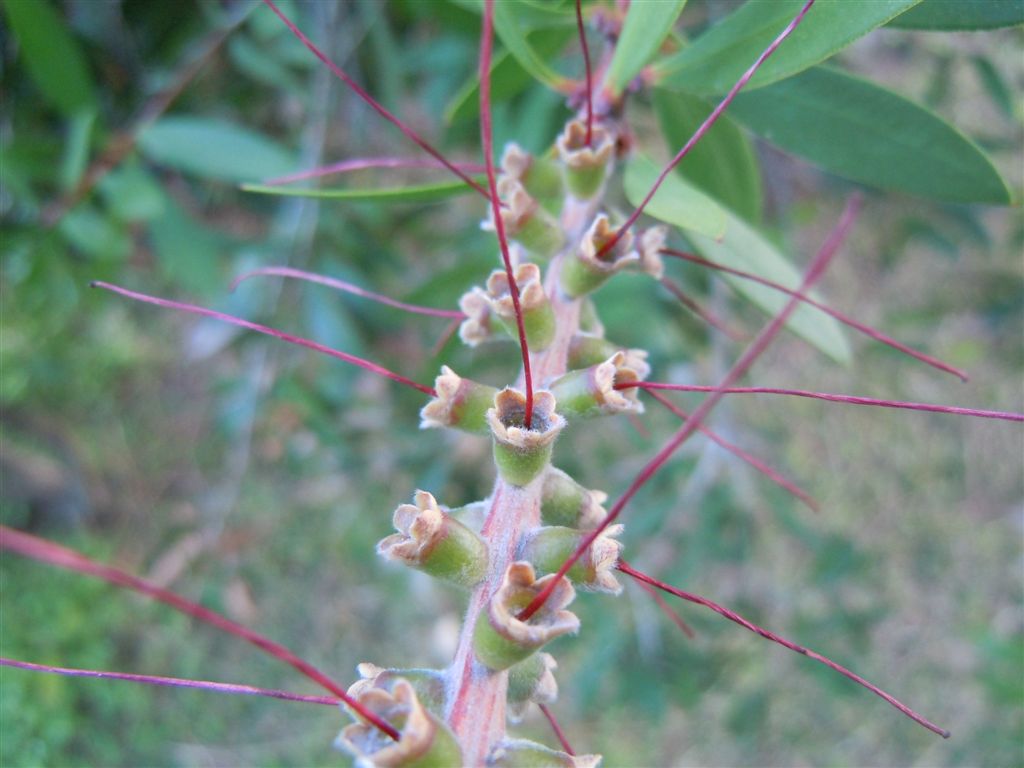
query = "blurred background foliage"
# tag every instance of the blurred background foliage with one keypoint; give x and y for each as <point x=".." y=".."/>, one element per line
<point x="257" y="478"/>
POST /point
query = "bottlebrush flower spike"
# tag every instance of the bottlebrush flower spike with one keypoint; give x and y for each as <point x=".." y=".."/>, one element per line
<point x="522" y="453"/>
<point x="424" y="740"/>
<point x="500" y="639"/>
<point x="596" y="391"/>
<point x="434" y="542"/>
<point x="593" y="263"/>
<point x="538" y="317"/>
<point x="587" y="163"/>
<point x="531" y="681"/>
<point x="460" y="403"/>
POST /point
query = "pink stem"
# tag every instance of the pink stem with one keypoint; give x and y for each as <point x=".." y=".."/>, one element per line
<point x="341" y="285"/>
<point x="590" y="80"/>
<point x="487" y="139"/>
<point x="833" y="398"/>
<point x="706" y="125"/>
<point x="735" y="617"/>
<point x="846" y="319"/>
<point x="377" y="106"/>
<point x="363" y="163"/>
<point x="192" y="308"/>
<point x="756" y="463"/>
<point x="559" y="733"/>
<point x="175" y="682"/>
<point x="757" y="346"/>
<point x="54" y="554"/>
<point x="699" y="311"/>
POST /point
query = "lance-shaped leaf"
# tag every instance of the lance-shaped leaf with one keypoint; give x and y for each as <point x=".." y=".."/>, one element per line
<point x="945" y="15"/>
<point x="644" y="30"/>
<point x="510" y="24"/>
<point x="716" y="59"/>
<point x="677" y="202"/>
<point x="414" y="193"/>
<point x="859" y="130"/>
<point x="500" y="639"/>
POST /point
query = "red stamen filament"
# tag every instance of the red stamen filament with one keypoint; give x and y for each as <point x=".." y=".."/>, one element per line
<point x="706" y="125"/>
<point x="341" y="285"/>
<point x="746" y="360"/>
<point x="377" y="106"/>
<point x="735" y="617"/>
<point x="842" y="318"/>
<point x="830" y="397"/>
<point x="54" y="554"/>
<point x="559" y="733"/>
<point x="676" y="619"/>
<point x="174" y="682"/>
<point x="590" y="78"/>
<point x="756" y="463"/>
<point x="688" y="302"/>
<point x="363" y="163"/>
<point x="203" y="311"/>
<point x="487" y="139"/>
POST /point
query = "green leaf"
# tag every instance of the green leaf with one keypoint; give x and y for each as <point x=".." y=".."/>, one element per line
<point x="508" y="77"/>
<point x="859" y="130"/>
<point x="743" y="248"/>
<point x="723" y="163"/>
<point x="52" y="55"/>
<point x="423" y="193"/>
<point x="188" y="252"/>
<point x="132" y="194"/>
<point x="645" y="29"/>
<point x="95" y="234"/>
<point x="676" y="201"/>
<point x="214" y="149"/>
<point x="961" y="14"/>
<point x="717" y="59"/>
<point x="509" y="17"/>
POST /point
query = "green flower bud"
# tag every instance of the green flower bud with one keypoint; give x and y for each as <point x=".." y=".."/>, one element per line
<point x="522" y="454"/>
<point x="548" y="547"/>
<point x="521" y="753"/>
<point x="565" y="502"/>
<point x="460" y="403"/>
<point x="588" y="268"/>
<point x="590" y="392"/>
<point x="585" y="166"/>
<point x="538" y="317"/>
<point x="541" y="175"/>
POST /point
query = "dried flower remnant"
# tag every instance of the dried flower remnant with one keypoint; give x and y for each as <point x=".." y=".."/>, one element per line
<point x="522" y="453"/>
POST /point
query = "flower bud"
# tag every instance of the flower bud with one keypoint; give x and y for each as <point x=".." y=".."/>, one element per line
<point x="531" y="680"/>
<point x="521" y="454"/>
<point x="436" y="543"/>
<point x="500" y="639"/>
<point x="519" y="753"/>
<point x="538" y="317"/>
<point x="540" y="175"/>
<point x="586" y="349"/>
<point x="565" y="502"/>
<point x="476" y="328"/>
<point x="527" y="221"/>
<point x="460" y="403"/>
<point x="548" y="547"/>
<point x="590" y="392"/>
<point x="585" y="166"/>
<point x="425" y="741"/>
<point x="429" y="684"/>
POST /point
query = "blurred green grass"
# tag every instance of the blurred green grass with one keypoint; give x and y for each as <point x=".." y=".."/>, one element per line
<point x="258" y="478"/>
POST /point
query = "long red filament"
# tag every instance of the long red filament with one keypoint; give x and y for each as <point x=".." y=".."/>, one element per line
<point x="174" y="682"/>
<point x="842" y="318"/>
<point x="342" y="285"/>
<point x="757" y="346"/>
<point x="590" y="78"/>
<point x="363" y="163"/>
<point x="487" y="139"/>
<point x="753" y="461"/>
<point x="767" y="635"/>
<point x="676" y="619"/>
<point x="559" y="733"/>
<point x="706" y="125"/>
<point x="687" y="301"/>
<point x="377" y="106"/>
<point x="830" y="397"/>
<point x="54" y="554"/>
<point x="193" y="309"/>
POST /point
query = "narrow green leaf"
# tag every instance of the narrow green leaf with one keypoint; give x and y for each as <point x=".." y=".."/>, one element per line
<point x="994" y="84"/>
<point x="509" y="16"/>
<point x="214" y="149"/>
<point x="645" y="29"/>
<point x="717" y="59"/>
<point x="676" y="202"/>
<point x="961" y="14"/>
<point x="743" y="248"/>
<point x="422" y="193"/>
<point x="508" y="77"/>
<point x="859" y="130"/>
<point x="52" y="55"/>
<point x="723" y="163"/>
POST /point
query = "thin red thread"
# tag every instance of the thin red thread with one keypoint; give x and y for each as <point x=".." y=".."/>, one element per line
<point x="364" y="163"/>
<point x="559" y="733"/>
<point x="590" y="80"/>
